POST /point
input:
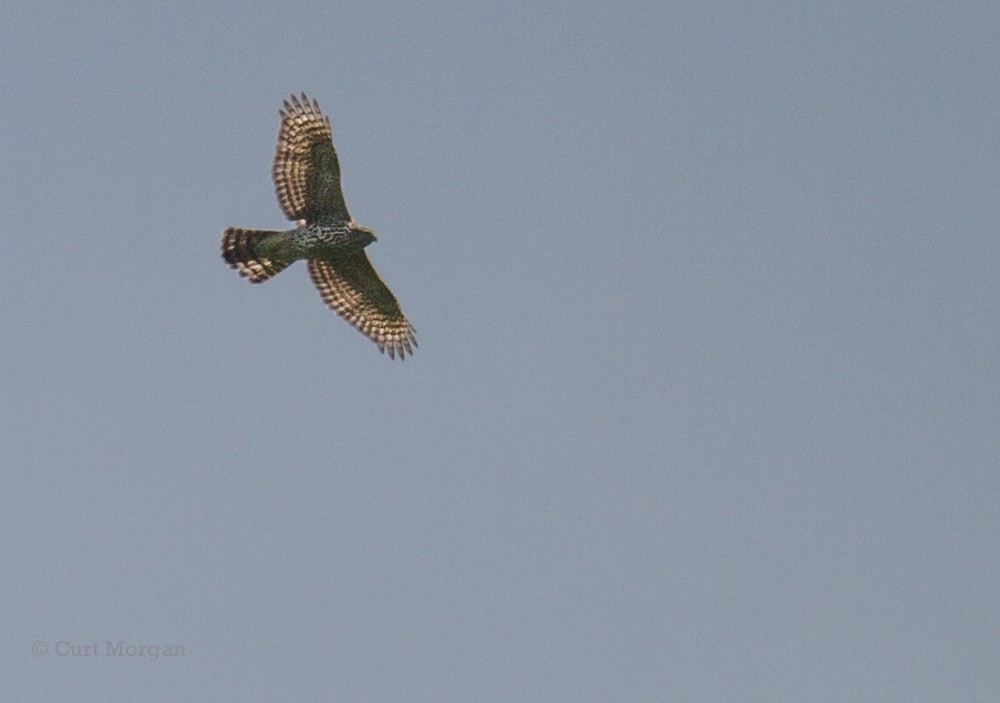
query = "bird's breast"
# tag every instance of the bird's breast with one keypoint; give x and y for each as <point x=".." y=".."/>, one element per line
<point x="316" y="240"/>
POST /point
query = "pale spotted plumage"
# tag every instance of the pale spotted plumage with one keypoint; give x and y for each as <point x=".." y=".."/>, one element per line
<point x="307" y="182"/>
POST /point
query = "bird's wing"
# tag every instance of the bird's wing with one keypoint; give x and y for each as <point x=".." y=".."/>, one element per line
<point x="306" y="170"/>
<point x="352" y="288"/>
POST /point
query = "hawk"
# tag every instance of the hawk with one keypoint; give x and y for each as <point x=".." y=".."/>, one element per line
<point x="306" y="176"/>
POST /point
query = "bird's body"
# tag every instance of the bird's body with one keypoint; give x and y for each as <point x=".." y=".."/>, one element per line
<point x="307" y="180"/>
<point x="315" y="241"/>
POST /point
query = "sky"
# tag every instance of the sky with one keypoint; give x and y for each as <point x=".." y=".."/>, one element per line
<point x="707" y="397"/>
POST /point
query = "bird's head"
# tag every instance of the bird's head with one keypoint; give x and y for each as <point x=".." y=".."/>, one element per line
<point x="364" y="235"/>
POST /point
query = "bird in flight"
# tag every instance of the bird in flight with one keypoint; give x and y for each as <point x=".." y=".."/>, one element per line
<point x="306" y="176"/>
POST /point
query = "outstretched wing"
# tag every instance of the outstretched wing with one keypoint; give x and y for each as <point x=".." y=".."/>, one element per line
<point x="306" y="170"/>
<point x="350" y="286"/>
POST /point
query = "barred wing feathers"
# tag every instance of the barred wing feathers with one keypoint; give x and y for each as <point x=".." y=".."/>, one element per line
<point x="306" y="170"/>
<point x="352" y="289"/>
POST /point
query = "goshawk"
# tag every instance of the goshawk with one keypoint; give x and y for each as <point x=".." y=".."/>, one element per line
<point x="306" y="176"/>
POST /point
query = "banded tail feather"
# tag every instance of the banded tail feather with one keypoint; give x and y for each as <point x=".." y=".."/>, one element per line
<point x="240" y="250"/>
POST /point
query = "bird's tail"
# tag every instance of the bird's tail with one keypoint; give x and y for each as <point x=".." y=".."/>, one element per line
<point x="240" y="250"/>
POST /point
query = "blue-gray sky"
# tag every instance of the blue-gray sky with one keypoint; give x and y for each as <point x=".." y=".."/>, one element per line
<point x="706" y="400"/>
